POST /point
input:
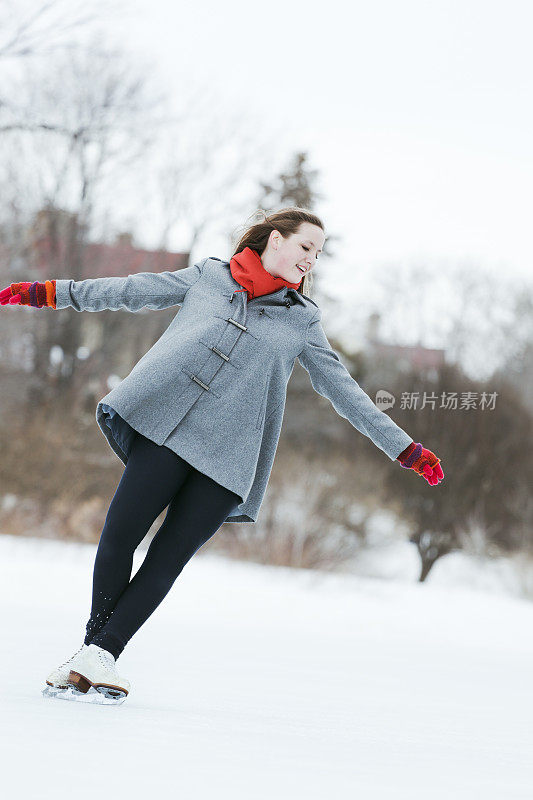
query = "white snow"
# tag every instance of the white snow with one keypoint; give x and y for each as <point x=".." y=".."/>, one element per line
<point x="261" y="682"/>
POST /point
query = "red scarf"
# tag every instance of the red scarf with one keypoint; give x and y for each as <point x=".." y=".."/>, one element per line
<point x="247" y="269"/>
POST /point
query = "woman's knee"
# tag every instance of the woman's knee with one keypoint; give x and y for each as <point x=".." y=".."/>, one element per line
<point x="123" y="532"/>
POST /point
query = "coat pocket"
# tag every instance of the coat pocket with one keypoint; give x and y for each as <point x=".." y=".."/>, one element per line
<point x="273" y="410"/>
<point x="265" y="413"/>
<point x="262" y="411"/>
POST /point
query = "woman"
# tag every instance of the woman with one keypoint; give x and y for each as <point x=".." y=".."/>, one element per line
<point x="197" y="420"/>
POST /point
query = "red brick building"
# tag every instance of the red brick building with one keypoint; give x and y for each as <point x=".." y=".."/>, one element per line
<point x="49" y="249"/>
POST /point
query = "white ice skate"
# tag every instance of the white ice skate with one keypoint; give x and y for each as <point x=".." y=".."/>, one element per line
<point x="92" y="678"/>
<point x="59" y="677"/>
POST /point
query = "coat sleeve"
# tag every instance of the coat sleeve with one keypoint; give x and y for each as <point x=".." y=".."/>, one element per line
<point x="154" y="290"/>
<point x="330" y="378"/>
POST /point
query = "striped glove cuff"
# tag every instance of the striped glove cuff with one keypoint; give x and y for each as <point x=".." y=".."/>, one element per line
<point x="423" y="461"/>
<point x="34" y="294"/>
<point x="410" y="455"/>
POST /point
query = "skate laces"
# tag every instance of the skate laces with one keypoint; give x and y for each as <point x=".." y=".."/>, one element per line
<point x="107" y="659"/>
<point x="64" y="664"/>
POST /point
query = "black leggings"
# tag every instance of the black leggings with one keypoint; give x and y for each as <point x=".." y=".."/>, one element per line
<point x="154" y="478"/>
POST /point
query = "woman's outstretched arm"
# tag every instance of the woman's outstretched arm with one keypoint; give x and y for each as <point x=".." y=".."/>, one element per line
<point x="330" y="378"/>
<point x="154" y="290"/>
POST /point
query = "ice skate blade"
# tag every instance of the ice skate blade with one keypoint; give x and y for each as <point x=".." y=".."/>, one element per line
<point x="83" y="685"/>
<point x="91" y="696"/>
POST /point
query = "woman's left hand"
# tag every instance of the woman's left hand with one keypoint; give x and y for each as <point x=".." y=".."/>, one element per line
<point x="424" y="462"/>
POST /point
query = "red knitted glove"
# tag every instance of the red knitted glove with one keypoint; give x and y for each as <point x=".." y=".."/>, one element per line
<point x="29" y="294"/>
<point x="423" y="461"/>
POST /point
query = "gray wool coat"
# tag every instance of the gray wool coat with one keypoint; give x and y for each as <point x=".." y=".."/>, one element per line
<point x="213" y="386"/>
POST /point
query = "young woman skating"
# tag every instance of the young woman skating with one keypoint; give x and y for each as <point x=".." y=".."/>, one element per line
<point x="197" y="420"/>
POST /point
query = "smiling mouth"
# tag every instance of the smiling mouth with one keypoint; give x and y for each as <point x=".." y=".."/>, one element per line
<point x="301" y="268"/>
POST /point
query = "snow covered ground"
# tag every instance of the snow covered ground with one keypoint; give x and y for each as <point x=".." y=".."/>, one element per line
<point x="261" y="682"/>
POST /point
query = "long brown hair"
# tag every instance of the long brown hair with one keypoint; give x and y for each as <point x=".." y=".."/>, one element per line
<point x="286" y="221"/>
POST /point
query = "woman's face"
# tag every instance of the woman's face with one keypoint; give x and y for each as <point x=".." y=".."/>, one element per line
<point x="283" y="256"/>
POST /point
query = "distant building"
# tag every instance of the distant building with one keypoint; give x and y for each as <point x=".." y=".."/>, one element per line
<point x="50" y="248"/>
<point x="404" y="357"/>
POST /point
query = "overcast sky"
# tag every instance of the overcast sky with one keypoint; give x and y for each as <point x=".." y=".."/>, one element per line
<point x="417" y="114"/>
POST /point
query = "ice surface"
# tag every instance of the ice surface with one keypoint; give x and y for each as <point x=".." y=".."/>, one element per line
<point x="261" y="682"/>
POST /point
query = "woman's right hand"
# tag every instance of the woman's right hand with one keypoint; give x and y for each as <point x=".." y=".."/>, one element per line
<point x="34" y="294"/>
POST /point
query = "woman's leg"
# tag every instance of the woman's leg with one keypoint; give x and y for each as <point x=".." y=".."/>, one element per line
<point x="150" y="479"/>
<point x="196" y="512"/>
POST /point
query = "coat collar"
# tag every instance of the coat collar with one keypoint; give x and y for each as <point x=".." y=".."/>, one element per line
<point x="282" y="293"/>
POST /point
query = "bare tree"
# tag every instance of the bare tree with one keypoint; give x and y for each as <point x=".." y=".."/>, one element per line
<point x="102" y="120"/>
<point x="459" y="307"/>
<point x="484" y="449"/>
<point x="516" y="364"/>
<point x="209" y="162"/>
<point x="28" y="29"/>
